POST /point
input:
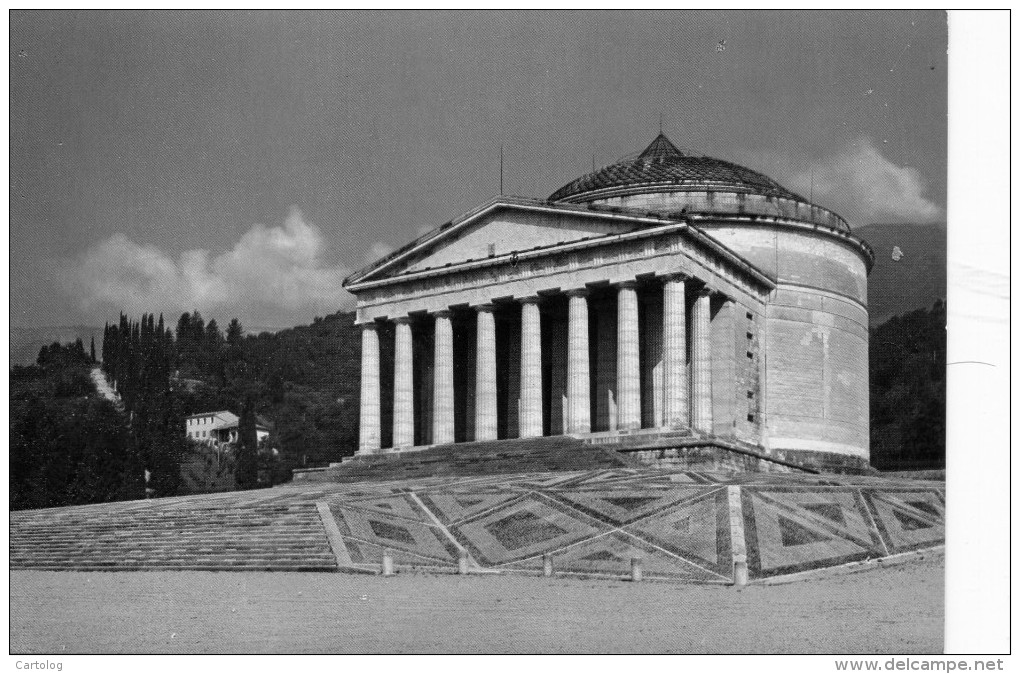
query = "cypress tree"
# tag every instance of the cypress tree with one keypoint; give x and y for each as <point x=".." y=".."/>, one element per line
<point x="234" y="332"/>
<point x="246" y="473"/>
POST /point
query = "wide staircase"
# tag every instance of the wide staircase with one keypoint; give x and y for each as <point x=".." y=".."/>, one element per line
<point x="161" y="535"/>
<point x="497" y="457"/>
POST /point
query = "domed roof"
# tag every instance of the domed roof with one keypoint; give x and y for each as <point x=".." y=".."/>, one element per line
<point x="663" y="164"/>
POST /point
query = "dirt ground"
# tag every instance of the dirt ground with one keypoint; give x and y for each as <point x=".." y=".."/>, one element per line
<point x="898" y="609"/>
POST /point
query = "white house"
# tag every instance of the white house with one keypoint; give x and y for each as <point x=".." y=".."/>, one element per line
<point x="219" y="427"/>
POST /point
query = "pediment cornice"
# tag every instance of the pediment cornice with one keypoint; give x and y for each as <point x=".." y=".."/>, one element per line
<point x="634" y="225"/>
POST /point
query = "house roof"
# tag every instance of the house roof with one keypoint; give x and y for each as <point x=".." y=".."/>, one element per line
<point x="221" y="414"/>
<point x="234" y="424"/>
<point x="225" y="420"/>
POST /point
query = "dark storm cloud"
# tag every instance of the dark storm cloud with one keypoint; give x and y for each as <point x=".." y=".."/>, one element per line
<point x="166" y="136"/>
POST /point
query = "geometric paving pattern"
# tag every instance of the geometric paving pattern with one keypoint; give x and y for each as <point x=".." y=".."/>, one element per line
<point x="684" y="525"/>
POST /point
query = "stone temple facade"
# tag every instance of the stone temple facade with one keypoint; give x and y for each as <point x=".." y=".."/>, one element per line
<point x="675" y="306"/>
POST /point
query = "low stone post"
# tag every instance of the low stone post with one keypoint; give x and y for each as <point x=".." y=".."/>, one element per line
<point x="387" y="563"/>
<point x="636" y="573"/>
<point x="462" y="563"/>
<point x="739" y="572"/>
<point x="547" y="565"/>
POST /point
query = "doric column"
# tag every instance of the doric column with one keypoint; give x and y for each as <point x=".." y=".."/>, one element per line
<point x="578" y="368"/>
<point x="370" y="415"/>
<point x="674" y="342"/>
<point x="442" y="381"/>
<point x="701" y="363"/>
<point x="403" y="385"/>
<point x="628" y="374"/>
<point x="485" y="374"/>
<point x="531" y="369"/>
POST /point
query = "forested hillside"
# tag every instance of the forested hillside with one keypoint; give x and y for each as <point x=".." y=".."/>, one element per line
<point x="67" y="445"/>
<point x="304" y="380"/>
<point x="70" y="446"/>
<point x="908" y="390"/>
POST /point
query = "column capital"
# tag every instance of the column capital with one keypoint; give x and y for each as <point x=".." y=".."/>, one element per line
<point x="625" y="285"/>
<point x="442" y="313"/>
<point x="675" y="276"/>
<point x="577" y="292"/>
<point x="401" y="320"/>
<point x="528" y="299"/>
<point x="371" y="325"/>
<point x="484" y="307"/>
<point x="705" y="291"/>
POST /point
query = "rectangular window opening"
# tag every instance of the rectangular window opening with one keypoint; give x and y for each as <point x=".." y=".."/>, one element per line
<point x="750" y="394"/>
<point x="750" y="316"/>
<point x="750" y="417"/>
<point x="750" y="355"/>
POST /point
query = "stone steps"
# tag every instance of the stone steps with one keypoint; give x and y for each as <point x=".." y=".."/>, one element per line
<point x="158" y="536"/>
<point x="532" y="455"/>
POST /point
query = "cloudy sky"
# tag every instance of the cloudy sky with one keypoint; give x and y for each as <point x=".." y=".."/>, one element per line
<point x="243" y="163"/>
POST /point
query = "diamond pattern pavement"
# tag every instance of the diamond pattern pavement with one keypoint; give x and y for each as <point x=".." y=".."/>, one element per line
<point x="682" y="525"/>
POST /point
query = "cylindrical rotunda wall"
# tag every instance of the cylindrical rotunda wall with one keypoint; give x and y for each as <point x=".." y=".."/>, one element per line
<point x="816" y="331"/>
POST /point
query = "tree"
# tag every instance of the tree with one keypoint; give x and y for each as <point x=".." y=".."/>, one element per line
<point x="234" y="332"/>
<point x="247" y="473"/>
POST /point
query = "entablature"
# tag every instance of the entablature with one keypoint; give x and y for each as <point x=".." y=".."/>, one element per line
<point x="652" y="252"/>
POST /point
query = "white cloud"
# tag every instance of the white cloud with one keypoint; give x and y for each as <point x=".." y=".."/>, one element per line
<point x="377" y="251"/>
<point x="272" y="274"/>
<point x="859" y="183"/>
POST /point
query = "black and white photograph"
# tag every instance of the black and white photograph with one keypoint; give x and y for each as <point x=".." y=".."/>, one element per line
<point x="508" y="332"/>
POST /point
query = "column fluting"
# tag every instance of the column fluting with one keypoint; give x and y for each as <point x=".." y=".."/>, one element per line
<point x="531" y="369"/>
<point x="485" y="374"/>
<point x="403" y="385"/>
<point x="674" y="342"/>
<point x="701" y="363"/>
<point x="578" y="367"/>
<point x="442" y="381"/>
<point x="628" y="374"/>
<point x="370" y="416"/>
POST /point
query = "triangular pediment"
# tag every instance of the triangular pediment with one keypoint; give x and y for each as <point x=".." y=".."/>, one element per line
<point x="501" y="228"/>
<point x="506" y="231"/>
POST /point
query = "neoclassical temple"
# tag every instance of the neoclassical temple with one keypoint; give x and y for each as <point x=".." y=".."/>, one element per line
<point x="666" y="303"/>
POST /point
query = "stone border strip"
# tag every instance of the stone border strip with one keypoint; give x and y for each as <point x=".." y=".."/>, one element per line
<point x="738" y="543"/>
<point x="851" y="567"/>
<point x="344" y="563"/>
<point x="474" y="566"/>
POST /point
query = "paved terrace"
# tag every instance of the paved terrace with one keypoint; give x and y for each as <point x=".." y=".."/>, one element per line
<point x="685" y="526"/>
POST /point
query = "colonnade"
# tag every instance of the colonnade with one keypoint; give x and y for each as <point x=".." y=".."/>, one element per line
<point x="686" y="392"/>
